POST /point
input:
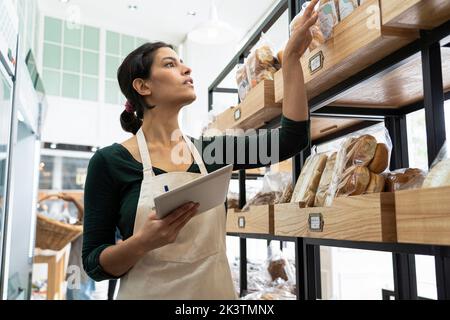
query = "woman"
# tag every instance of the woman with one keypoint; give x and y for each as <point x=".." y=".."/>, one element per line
<point x="182" y="256"/>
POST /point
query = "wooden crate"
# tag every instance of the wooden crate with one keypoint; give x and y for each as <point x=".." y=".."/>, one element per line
<point x="423" y="216"/>
<point x="359" y="41"/>
<point x="257" y="220"/>
<point x="417" y="14"/>
<point x="360" y="218"/>
<point x="258" y="108"/>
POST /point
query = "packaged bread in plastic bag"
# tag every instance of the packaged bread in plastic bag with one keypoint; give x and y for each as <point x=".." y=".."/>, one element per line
<point x="242" y="82"/>
<point x="360" y="161"/>
<point x="261" y="63"/>
<point x="308" y="182"/>
<point x="439" y="175"/>
<point x="325" y="181"/>
<point x="275" y="185"/>
<point x="346" y="7"/>
<point x="405" y="179"/>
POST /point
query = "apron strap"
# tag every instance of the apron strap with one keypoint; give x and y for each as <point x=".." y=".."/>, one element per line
<point x="145" y="155"/>
<point x="197" y="157"/>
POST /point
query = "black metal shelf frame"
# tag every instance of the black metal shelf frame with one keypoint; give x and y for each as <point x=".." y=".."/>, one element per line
<point x="308" y="250"/>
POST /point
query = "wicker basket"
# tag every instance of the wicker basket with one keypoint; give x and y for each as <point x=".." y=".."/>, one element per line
<point x="54" y="235"/>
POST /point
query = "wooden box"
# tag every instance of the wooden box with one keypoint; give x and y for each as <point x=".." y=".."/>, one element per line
<point x="423" y="216"/>
<point x="258" y="108"/>
<point x="257" y="220"/>
<point x="368" y="218"/>
<point x="417" y="14"/>
<point x="358" y="41"/>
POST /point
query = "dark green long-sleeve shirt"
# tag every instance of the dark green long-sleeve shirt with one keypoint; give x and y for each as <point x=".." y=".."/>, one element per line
<point x="114" y="178"/>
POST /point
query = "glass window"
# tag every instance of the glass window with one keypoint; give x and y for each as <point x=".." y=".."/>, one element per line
<point x="72" y="34"/>
<point x="46" y="168"/>
<point x="52" y="56"/>
<point x="71" y="86"/>
<point x="53" y="30"/>
<point x="91" y="38"/>
<point x="52" y="82"/>
<point x="72" y="60"/>
<point x="90" y="63"/>
<point x="90" y="88"/>
<point x="74" y="173"/>
<point x="112" y="43"/>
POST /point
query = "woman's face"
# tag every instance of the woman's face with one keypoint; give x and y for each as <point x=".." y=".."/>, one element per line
<point x="170" y="81"/>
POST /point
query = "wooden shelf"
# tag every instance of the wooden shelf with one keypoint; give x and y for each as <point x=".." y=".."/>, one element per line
<point x="398" y="88"/>
<point x="417" y="14"/>
<point x="368" y="218"/>
<point x="423" y="216"/>
<point x="258" y="220"/>
<point x="258" y="108"/>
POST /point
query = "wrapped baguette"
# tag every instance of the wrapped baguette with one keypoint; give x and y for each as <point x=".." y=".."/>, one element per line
<point x="308" y="182"/>
<point x="325" y="180"/>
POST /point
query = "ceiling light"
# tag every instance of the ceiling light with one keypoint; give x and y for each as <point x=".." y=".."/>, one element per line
<point x="53" y="146"/>
<point x="64" y="1"/>
<point x="94" y="149"/>
<point x="213" y="31"/>
<point x="192" y="13"/>
<point x="132" y="7"/>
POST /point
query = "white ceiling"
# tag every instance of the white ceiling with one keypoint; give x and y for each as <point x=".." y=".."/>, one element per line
<point x="165" y="20"/>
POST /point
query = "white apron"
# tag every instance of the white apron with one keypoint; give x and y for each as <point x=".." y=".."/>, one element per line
<point x="195" y="267"/>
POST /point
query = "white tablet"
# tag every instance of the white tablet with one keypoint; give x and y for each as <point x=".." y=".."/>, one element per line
<point x="209" y="191"/>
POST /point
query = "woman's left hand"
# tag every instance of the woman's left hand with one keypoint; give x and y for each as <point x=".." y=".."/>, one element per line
<point x="302" y="36"/>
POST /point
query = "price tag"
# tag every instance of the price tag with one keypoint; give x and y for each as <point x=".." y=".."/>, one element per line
<point x="237" y="114"/>
<point x="315" y="222"/>
<point x="241" y="222"/>
<point x="316" y="62"/>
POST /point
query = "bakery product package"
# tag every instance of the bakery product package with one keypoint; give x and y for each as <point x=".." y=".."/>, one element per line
<point x="439" y="175"/>
<point x="308" y="182"/>
<point x="359" y="154"/>
<point x="346" y="7"/>
<point x="405" y="179"/>
<point x="325" y="181"/>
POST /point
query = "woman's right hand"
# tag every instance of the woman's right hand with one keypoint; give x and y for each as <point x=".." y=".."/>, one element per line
<point x="156" y="233"/>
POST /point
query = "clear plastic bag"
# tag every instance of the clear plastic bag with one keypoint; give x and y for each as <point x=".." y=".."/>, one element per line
<point x="274" y="186"/>
<point x="404" y="179"/>
<point x="261" y="63"/>
<point x="308" y="182"/>
<point x="242" y="82"/>
<point x="361" y="155"/>
<point x="439" y="175"/>
<point x="278" y="266"/>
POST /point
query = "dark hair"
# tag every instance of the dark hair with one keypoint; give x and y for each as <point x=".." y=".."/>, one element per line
<point x="136" y="65"/>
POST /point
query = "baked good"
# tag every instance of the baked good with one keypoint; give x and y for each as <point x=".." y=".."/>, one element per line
<point x="261" y="65"/>
<point x="377" y="183"/>
<point x="380" y="161"/>
<point x="405" y="180"/>
<point x="280" y="56"/>
<point x="362" y="152"/>
<point x="277" y="270"/>
<point x="308" y="182"/>
<point x="263" y="198"/>
<point x="287" y="194"/>
<point x="439" y="176"/>
<point x="354" y="181"/>
<point x="325" y="181"/>
<point x="242" y="82"/>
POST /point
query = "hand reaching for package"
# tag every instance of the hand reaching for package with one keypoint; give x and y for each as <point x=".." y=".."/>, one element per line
<point x="301" y="36"/>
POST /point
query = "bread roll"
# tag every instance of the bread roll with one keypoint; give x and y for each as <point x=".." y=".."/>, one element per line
<point x="362" y="152"/>
<point x="409" y="179"/>
<point x="439" y="176"/>
<point x="354" y="181"/>
<point x="280" y="56"/>
<point x="377" y="183"/>
<point x="308" y="182"/>
<point x="325" y="181"/>
<point x="380" y="161"/>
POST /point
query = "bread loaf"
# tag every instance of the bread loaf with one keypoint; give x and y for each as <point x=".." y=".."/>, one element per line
<point x="354" y="182"/>
<point x="380" y="161"/>
<point x="439" y="176"/>
<point x="308" y="182"/>
<point x="362" y="152"/>
<point x="377" y="183"/>
<point x="409" y="179"/>
<point x="325" y="181"/>
<point x="277" y="270"/>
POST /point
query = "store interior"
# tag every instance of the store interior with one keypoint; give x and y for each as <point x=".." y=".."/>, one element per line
<point x="61" y="103"/>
